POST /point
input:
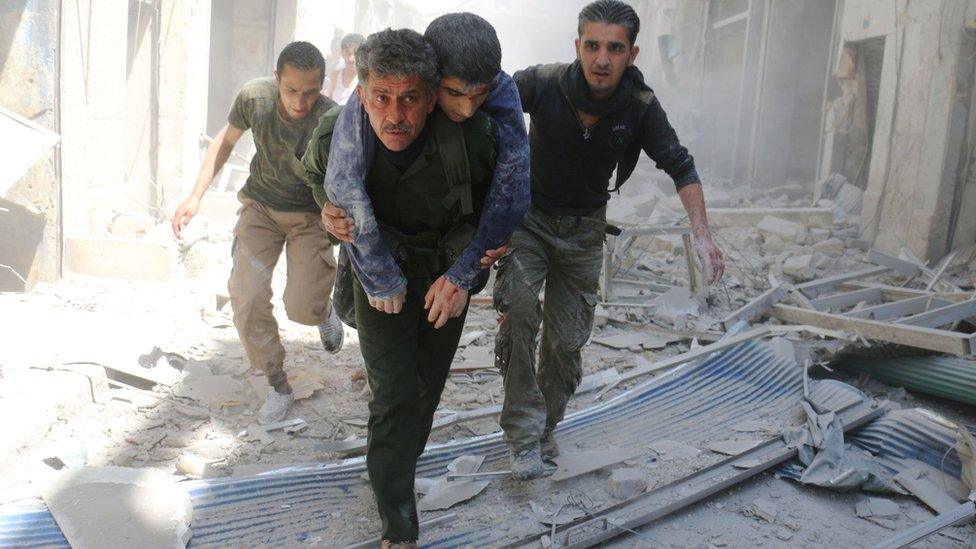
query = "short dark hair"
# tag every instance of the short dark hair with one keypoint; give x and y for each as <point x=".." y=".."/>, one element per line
<point x="401" y="52"/>
<point x="467" y="47"/>
<point x="351" y="39"/>
<point x="611" y="12"/>
<point x="304" y="56"/>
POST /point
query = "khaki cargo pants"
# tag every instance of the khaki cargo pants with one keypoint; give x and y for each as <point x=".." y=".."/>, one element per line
<point x="260" y="235"/>
<point x="564" y="254"/>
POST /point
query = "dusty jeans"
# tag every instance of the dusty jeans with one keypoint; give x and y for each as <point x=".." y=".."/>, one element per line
<point x="563" y="253"/>
<point x="259" y="237"/>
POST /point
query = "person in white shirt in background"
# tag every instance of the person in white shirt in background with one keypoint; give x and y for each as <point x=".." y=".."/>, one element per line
<point x="343" y="80"/>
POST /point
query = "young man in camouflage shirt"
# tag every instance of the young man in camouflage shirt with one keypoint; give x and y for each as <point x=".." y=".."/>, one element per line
<point x="277" y="212"/>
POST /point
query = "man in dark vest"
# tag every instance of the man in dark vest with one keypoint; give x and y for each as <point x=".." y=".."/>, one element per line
<point x="427" y="186"/>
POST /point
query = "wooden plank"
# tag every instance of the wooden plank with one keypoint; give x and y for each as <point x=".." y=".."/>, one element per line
<point x="846" y="299"/>
<point x="902" y="267"/>
<point x="913" y="336"/>
<point x="895" y="293"/>
<point x="815" y="288"/>
<point x="942" y="315"/>
<point x="898" y="309"/>
<point x="754" y="309"/>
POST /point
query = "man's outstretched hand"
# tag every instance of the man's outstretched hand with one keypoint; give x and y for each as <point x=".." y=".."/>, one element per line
<point x="445" y="301"/>
<point x="710" y="258"/>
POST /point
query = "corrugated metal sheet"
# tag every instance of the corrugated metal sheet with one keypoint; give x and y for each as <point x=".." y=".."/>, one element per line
<point x="947" y="377"/>
<point x="694" y="404"/>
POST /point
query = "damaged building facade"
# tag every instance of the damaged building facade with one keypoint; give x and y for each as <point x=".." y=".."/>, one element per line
<point x="776" y="92"/>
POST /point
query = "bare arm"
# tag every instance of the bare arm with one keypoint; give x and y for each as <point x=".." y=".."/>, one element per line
<point x="217" y="154"/>
<point x="710" y="256"/>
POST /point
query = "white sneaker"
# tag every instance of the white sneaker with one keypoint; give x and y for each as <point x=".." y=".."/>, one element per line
<point x="330" y="331"/>
<point x="275" y="408"/>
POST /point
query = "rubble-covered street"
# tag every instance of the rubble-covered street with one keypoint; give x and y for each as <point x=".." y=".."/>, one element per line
<point x="783" y="344"/>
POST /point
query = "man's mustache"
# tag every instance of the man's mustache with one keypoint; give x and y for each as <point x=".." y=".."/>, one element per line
<point x="404" y="127"/>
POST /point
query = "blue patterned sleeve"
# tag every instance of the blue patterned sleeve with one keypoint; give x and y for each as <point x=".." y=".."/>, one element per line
<point x="509" y="194"/>
<point x="349" y="160"/>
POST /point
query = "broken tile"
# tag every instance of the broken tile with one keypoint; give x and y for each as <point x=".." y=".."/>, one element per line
<point x="119" y="507"/>
<point x="668" y="450"/>
<point x="465" y="465"/>
<point x="444" y="495"/>
<point x="574" y="464"/>
<point x="877" y="507"/>
<point x="213" y="391"/>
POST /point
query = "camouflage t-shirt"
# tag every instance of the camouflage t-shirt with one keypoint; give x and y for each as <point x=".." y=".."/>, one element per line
<point x="277" y="177"/>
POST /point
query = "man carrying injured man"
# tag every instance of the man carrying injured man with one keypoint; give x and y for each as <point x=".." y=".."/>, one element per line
<point x="428" y="185"/>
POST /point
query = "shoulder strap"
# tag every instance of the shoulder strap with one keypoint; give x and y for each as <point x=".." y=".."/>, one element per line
<point x="627" y="163"/>
<point x="454" y="156"/>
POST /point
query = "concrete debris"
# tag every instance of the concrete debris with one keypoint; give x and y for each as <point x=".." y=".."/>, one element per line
<point x="669" y="450"/>
<point x="762" y="509"/>
<point x="469" y="338"/>
<point x="788" y="231"/>
<point x="119" y="507"/>
<point x="444" y="494"/>
<point x="877" y="507"/>
<point x="573" y="464"/>
<point x="800" y="267"/>
<point x="213" y="391"/>
<point x="196" y="466"/>
<point x="627" y="483"/>
<point x="832" y="247"/>
<point x="466" y="464"/>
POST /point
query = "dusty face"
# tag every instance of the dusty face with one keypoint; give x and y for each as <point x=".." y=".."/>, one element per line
<point x="298" y="91"/>
<point x="604" y="52"/>
<point x="397" y="108"/>
<point x="349" y="56"/>
<point x="458" y="100"/>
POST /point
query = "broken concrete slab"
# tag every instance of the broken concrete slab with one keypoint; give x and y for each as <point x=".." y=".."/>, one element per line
<point x="444" y="494"/>
<point x="832" y="247"/>
<point x="751" y="217"/>
<point x="668" y="450"/>
<point x="877" y="507"/>
<point x="573" y="464"/>
<point x="213" y="391"/>
<point x="119" y="507"/>
<point x="561" y="515"/>
<point x="800" y="267"/>
<point x="465" y="464"/>
<point x="627" y="482"/>
<point x="788" y="231"/>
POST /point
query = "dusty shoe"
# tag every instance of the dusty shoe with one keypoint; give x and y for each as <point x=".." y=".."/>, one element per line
<point x="275" y="408"/>
<point x="550" y="448"/>
<point x="387" y="544"/>
<point x="331" y="332"/>
<point x="527" y="462"/>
